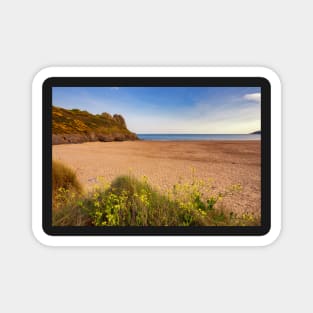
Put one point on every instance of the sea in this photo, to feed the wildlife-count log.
(186, 137)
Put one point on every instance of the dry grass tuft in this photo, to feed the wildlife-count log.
(64, 177)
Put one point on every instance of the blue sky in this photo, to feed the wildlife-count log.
(196, 110)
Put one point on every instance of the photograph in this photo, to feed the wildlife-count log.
(156, 156)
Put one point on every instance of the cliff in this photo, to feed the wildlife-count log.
(76, 126)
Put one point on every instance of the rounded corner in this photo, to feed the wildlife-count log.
(271, 236)
(41, 236)
(42, 76)
(270, 75)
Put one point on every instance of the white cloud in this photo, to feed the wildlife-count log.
(115, 88)
(253, 97)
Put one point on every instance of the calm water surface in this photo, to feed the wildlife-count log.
(170, 137)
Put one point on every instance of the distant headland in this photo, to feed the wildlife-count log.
(76, 126)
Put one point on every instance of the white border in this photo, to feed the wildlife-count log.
(155, 240)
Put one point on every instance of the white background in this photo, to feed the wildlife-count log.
(36, 34)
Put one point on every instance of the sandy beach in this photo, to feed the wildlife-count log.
(166, 162)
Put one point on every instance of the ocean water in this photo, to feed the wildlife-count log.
(183, 137)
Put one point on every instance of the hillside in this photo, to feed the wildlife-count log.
(76, 126)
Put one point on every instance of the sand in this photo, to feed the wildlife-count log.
(166, 162)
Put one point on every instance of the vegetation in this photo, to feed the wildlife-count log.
(86, 126)
(64, 178)
(128, 201)
(76, 121)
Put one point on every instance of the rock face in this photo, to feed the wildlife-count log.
(75, 126)
(58, 139)
(120, 120)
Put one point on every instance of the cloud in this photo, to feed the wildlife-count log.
(253, 97)
(114, 88)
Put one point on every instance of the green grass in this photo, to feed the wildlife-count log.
(128, 201)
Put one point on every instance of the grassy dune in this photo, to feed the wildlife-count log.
(64, 177)
(128, 201)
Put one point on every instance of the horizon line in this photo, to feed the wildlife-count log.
(148, 133)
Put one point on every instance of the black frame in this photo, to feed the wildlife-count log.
(157, 82)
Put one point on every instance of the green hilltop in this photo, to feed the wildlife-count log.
(76, 126)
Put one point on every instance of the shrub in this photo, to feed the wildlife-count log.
(68, 209)
(66, 189)
(64, 181)
(128, 201)
(64, 177)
